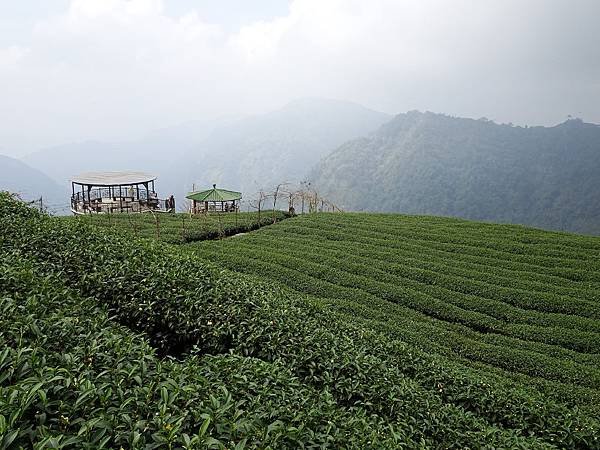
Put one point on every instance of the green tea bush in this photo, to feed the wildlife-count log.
(72, 378)
(186, 308)
(182, 228)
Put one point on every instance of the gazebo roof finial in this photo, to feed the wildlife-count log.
(214, 185)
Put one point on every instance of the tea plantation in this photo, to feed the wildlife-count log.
(182, 227)
(345, 331)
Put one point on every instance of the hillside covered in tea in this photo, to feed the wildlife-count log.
(321, 331)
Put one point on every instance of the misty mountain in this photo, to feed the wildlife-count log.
(425, 163)
(237, 153)
(17, 177)
(280, 146)
(155, 153)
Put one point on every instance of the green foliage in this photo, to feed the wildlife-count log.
(519, 306)
(70, 377)
(182, 228)
(257, 365)
(426, 163)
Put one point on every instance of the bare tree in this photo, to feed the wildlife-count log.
(313, 201)
(275, 195)
(258, 202)
(304, 189)
(292, 196)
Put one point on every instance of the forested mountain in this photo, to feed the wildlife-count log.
(279, 146)
(17, 177)
(425, 163)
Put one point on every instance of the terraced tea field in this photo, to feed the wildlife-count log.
(515, 302)
(344, 331)
(182, 227)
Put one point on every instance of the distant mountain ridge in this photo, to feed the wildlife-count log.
(246, 153)
(415, 163)
(261, 151)
(154, 153)
(426, 163)
(18, 178)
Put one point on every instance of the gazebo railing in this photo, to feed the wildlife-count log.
(214, 207)
(111, 200)
(114, 193)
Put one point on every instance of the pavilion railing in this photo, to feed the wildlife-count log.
(107, 200)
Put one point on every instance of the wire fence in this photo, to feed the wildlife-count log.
(263, 206)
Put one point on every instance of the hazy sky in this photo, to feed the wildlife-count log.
(112, 69)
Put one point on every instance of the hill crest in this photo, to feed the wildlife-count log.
(427, 163)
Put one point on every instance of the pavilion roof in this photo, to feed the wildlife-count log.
(214, 195)
(113, 178)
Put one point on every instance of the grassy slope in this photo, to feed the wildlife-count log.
(516, 302)
(339, 372)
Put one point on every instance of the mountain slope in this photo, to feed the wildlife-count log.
(425, 163)
(154, 153)
(239, 153)
(280, 146)
(29, 183)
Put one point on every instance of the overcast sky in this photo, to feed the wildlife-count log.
(113, 69)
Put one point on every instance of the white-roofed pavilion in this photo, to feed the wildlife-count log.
(110, 192)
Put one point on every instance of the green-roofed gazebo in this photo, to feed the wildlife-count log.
(215, 200)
